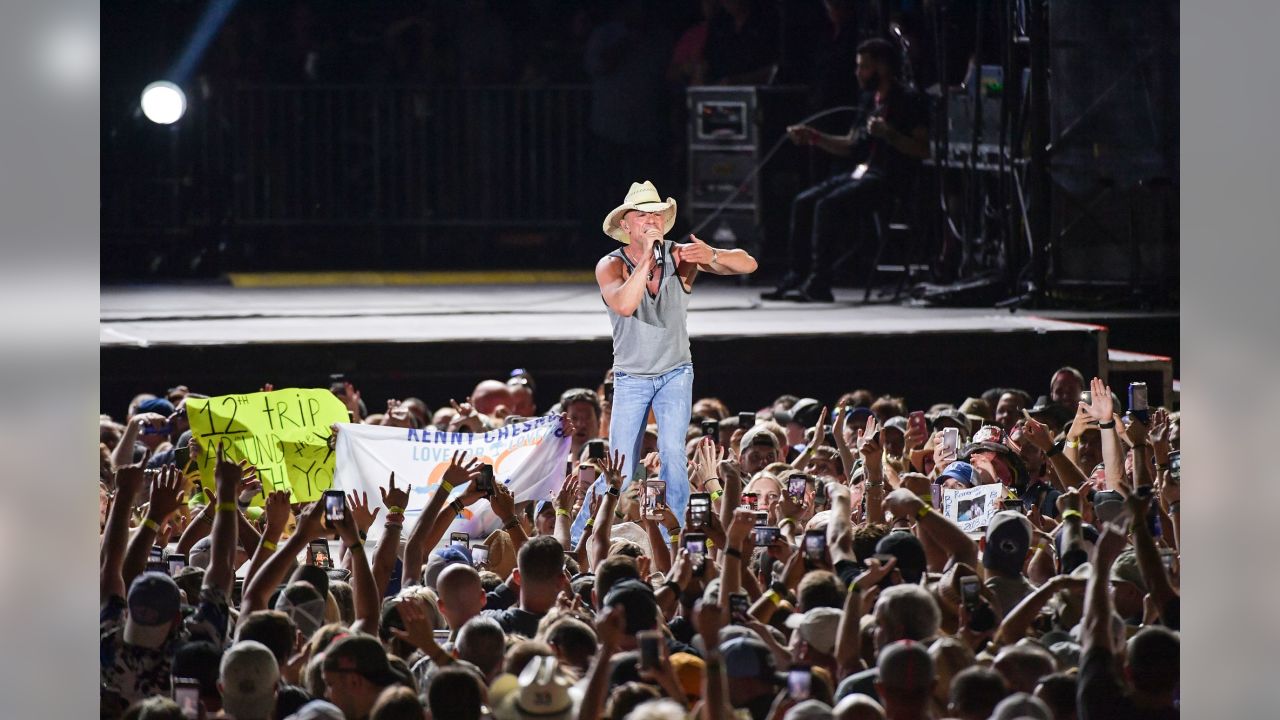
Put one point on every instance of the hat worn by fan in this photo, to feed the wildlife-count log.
(643, 197)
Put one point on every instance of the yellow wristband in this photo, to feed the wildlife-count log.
(226, 507)
(268, 545)
(1068, 514)
(924, 510)
(773, 597)
(393, 510)
(784, 522)
(716, 495)
(1073, 444)
(561, 512)
(151, 524)
(447, 487)
(590, 521)
(710, 544)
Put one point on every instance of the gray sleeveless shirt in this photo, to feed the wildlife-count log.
(655, 339)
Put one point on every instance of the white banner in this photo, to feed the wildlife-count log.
(529, 458)
(972, 508)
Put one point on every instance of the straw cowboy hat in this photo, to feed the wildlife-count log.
(645, 198)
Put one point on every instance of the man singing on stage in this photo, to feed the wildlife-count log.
(646, 286)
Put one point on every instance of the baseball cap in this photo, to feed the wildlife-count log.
(1008, 539)
(153, 606)
(906, 665)
(689, 670)
(857, 415)
(908, 550)
(747, 657)
(953, 418)
(960, 470)
(249, 675)
(159, 406)
(303, 604)
(976, 406)
(443, 558)
(198, 555)
(897, 422)
(760, 435)
(361, 654)
(805, 412)
(637, 600)
(1126, 569)
(818, 627)
(1107, 506)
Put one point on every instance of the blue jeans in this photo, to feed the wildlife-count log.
(671, 397)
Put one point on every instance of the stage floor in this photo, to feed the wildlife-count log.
(219, 315)
(436, 342)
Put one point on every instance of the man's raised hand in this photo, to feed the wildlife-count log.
(1100, 407)
(396, 499)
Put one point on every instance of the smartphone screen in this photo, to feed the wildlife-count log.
(484, 483)
(762, 518)
(650, 658)
(950, 442)
(795, 486)
(186, 693)
(335, 506)
(318, 554)
(176, 561)
(595, 450)
(1175, 465)
(586, 477)
(751, 501)
(767, 535)
(739, 604)
(746, 420)
(699, 511)
(696, 545)
(799, 680)
(815, 545)
(711, 429)
(479, 555)
(655, 499)
(460, 538)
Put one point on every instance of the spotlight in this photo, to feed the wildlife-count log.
(163, 102)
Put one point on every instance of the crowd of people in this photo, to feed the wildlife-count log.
(819, 580)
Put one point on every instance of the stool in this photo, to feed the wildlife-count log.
(894, 227)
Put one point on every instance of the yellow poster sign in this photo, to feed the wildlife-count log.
(283, 433)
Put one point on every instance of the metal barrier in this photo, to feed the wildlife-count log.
(397, 156)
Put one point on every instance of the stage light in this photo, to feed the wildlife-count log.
(163, 102)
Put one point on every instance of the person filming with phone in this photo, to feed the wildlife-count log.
(646, 285)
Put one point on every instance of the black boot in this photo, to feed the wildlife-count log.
(789, 282)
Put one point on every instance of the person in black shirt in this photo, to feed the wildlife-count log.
(888, 147)
(540, 573)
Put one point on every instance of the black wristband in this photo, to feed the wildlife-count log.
(1055, 449)
(614, 491)
(733, 552)
(1107, 425)
(778, 587)
(674, 586)
(514, 521)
